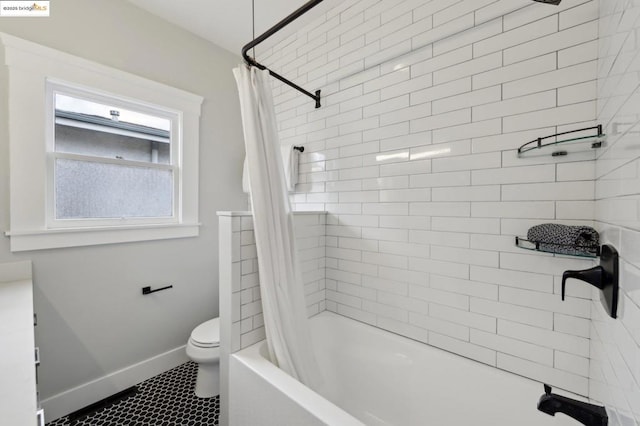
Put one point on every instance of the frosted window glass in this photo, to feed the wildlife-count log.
(85, 189)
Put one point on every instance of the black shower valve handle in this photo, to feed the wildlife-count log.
(593, 276)
(605, 276)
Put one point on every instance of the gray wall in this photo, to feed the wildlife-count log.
(92, 318)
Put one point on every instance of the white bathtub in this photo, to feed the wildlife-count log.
(373, 377)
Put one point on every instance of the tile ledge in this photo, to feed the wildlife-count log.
(248, 213)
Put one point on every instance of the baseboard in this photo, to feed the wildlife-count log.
(88, 393)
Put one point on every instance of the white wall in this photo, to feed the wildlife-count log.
(615, 344)
(93, 320)
(413, 154)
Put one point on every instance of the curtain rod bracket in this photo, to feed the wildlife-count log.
(271, 31)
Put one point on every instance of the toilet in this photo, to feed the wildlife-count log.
(204, 349)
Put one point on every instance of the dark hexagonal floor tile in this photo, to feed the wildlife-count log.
(166, 399)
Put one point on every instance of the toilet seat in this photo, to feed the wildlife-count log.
(207, 334)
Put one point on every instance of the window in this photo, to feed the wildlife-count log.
(111, 161)
(96, 155)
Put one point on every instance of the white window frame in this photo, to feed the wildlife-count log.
(33, 73)
(55, 87)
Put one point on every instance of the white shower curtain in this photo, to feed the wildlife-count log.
(281, 287)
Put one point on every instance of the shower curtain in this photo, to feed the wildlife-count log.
(281, 287)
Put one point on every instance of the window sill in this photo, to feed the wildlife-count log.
(77, 237)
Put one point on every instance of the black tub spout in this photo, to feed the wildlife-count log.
(585, 413)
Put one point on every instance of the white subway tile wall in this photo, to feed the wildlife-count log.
(413, 156)
(246, 303)
(615, 344)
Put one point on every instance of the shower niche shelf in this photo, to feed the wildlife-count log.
(561, 249)
(563, 143)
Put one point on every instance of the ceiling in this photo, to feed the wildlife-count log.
(226, 23)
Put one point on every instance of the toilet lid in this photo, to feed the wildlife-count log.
(207, 334)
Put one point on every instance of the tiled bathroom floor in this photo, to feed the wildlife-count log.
(166, 399)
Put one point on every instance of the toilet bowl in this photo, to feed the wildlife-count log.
(204, 349)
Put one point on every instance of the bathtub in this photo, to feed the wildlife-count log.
(373, 377)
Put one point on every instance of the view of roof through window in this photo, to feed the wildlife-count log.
(83, 106)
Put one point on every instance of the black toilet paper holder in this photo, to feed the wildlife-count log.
(604, 276)
(147, 290)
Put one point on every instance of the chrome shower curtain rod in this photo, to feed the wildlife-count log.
(271, 31)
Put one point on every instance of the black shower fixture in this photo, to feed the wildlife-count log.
(554, 2)
(271, 31)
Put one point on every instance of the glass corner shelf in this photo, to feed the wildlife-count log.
(561, 249)
(563, 147)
